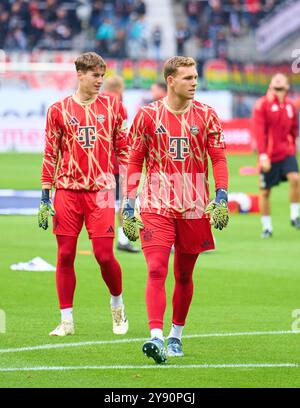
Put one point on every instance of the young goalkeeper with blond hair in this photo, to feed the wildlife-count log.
(174, 136)
(83, 132)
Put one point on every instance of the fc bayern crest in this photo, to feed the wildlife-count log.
(194, 130)
(100, 118)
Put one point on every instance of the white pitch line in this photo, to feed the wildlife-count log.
(63, 345)
(149, 367)
(101, 342)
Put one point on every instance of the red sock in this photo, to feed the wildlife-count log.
(157, 259)
(65, 274)
(109, 266)
(183, 290)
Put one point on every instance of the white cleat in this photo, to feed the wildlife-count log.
(120, 322)
(65, 328)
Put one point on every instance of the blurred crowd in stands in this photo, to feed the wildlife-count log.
(117, 28)
(108, 26)
(211, 23)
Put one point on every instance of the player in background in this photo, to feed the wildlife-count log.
(158, 90)
(174, 136)
(276, 130)
(82, 131)
(114, 86)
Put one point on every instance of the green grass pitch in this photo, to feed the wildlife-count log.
(247, 286)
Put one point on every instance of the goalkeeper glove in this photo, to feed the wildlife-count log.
(131, 223)
(218, 209)
(46, 208)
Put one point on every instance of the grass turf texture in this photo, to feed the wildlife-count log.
(246, 285)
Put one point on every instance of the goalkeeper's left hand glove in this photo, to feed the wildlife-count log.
(46, 209)
(218, 209)
(131, 223)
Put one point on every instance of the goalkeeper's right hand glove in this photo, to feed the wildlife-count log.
(46, 208)
(218, 209)
(131, 224)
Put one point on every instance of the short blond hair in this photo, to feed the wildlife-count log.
(280, 74)
(113, 83)
(173, 63)
(88, 61)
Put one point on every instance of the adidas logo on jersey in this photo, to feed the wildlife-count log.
(110, 229)
(161, 129)
(73, 121)
(205, 244)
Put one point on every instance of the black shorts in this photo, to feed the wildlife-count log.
(119, 194)
(278, 172)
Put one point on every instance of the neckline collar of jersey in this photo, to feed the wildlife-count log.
(179, 112)
(77, 100)
(274, 98)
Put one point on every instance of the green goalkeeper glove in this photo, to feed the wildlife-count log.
(46, 208)
(218, 210)
(131, 222)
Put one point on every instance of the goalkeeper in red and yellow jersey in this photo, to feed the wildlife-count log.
(174, 136)
(83, 132)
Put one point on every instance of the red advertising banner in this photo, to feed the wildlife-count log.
(238, 136)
